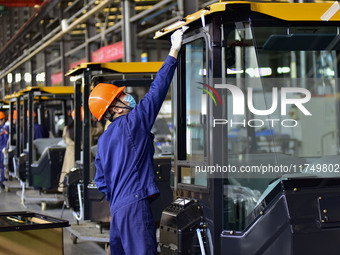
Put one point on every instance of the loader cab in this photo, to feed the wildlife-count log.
(257, 119)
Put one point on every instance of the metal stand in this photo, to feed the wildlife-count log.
(37, 196)
(13, 184)
(89, 231)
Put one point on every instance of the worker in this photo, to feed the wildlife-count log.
(40, 130)
(14, 117)
(124, 160)
(4, 131)
(68, 136)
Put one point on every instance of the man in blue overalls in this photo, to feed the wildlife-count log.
(4, 130)
(124, 160)
(39, 129)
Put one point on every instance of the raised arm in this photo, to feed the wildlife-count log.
(148, 108)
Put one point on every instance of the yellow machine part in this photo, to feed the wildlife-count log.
(118, 67)
(284, 11)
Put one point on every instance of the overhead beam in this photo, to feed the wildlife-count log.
(33, 21)
(72, 26)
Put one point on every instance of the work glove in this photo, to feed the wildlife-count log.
(176, 39)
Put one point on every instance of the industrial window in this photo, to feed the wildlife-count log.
(195, 128)
(279, 133)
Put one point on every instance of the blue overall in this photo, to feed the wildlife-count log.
(124, 164)
(40, 131)
(3, 144)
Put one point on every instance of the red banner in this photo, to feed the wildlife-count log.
(57, 78)
(109, 53)
(105, 54)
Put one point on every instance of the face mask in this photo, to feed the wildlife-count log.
(129, 99)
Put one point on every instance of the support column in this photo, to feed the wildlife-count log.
(7, 87)
(47, 69)
(127, 31)
(33, 66)
(190, 6)
(16, 84)
(180, 8)
(65, 46)
(90, 32)
(22, 77)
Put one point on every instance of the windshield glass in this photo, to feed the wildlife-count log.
(280, 89)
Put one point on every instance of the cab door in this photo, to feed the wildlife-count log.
(195, 139)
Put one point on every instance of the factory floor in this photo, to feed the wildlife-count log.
(10, 202)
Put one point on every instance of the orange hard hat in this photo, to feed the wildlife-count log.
(14, 115)
(73, 113)
(101, 97)
(28, 114)
(2, 115)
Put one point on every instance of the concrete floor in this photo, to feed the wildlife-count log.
(10, 202)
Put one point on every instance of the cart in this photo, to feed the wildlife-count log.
(31, 233)
(91, 231)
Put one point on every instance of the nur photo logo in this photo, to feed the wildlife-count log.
(282, 98)
(210, 94)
